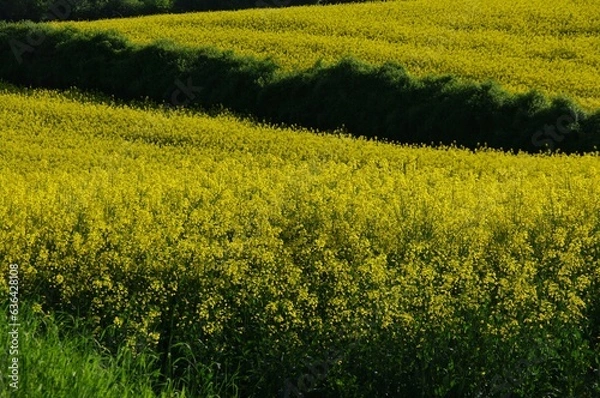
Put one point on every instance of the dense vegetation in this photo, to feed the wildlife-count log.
(302, 262)
(383, 102)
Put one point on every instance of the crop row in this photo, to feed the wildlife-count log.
(373, 101)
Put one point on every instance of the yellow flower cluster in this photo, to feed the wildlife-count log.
(216, 227)
(549, 45)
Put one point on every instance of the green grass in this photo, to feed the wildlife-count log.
(57, 359)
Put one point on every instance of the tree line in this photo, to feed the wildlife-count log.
(45, 10)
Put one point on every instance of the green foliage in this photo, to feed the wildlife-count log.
(15, 10)
(42, 10)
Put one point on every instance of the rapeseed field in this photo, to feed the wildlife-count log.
(398, 270)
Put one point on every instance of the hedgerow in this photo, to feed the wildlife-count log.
(44, 10)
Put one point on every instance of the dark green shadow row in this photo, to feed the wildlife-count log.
(372, 101)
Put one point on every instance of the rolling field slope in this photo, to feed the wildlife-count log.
(549, 45)
(262, 248)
